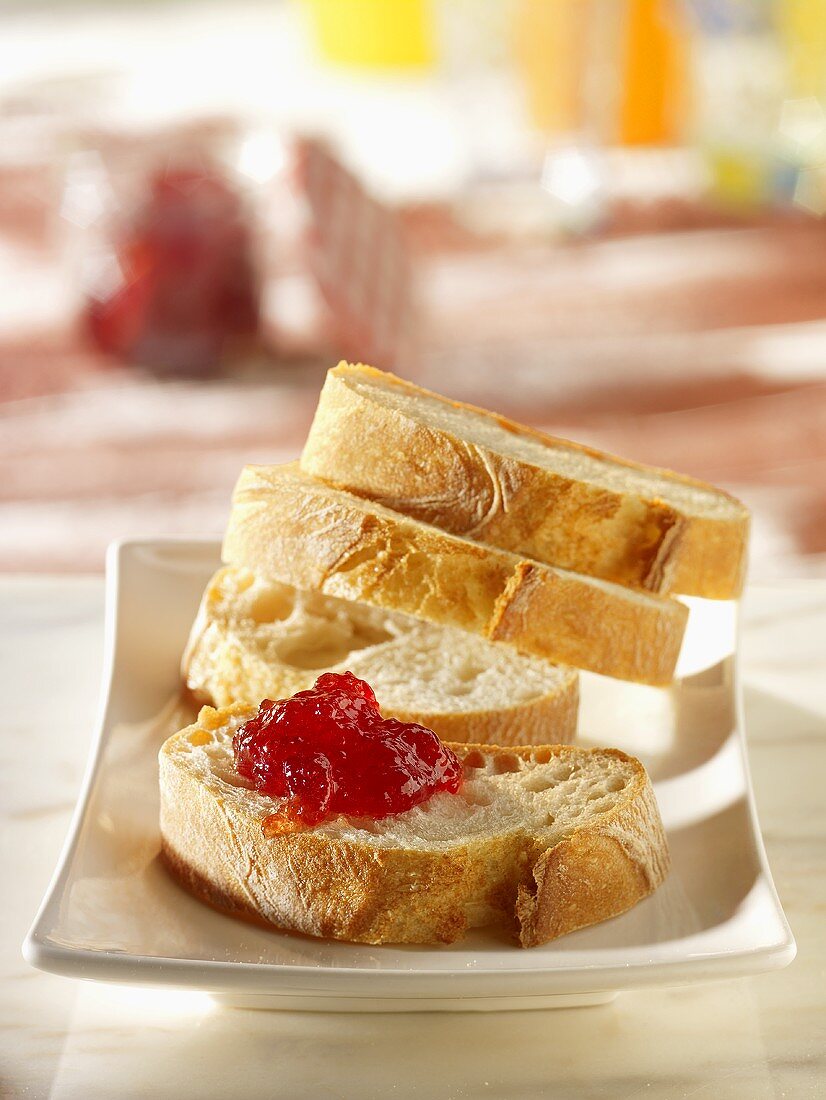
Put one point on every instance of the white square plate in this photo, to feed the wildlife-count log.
(111, 913)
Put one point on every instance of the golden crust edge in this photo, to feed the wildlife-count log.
(677, 566)
(653, 663)
(507, 579)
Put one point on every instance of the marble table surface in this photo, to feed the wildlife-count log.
(761, 1037)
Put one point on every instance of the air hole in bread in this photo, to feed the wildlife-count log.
(467, 673)
(364, 555)
(310, 656)
(461, 689)
(615, 783)
(272, 605)
(320, 652)
(506, 762)
(475, 759)
(538, 783)
(562, 772)
(541, 756)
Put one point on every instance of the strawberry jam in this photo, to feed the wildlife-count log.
(328, 751)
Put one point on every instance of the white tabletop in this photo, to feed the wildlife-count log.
(751, 1038)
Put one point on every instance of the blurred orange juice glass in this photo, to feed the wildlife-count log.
(613, 70)
(654, 84)
(374, 34)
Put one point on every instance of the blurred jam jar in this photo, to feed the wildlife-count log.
(187, 285)
(162, 241)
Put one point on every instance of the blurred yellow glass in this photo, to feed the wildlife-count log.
(802, 26)
(374, 34)
(740, 178)
(549, 46)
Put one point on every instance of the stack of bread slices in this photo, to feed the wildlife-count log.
(465, 566)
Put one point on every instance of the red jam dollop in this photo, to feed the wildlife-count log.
(329, 751)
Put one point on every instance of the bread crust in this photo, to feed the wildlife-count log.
(467, 489)
(595, 873)
(315, 884)
(290, 527)
(531, 723)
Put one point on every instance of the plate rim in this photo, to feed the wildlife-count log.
(341, 981)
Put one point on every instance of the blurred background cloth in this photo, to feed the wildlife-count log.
(603, 217)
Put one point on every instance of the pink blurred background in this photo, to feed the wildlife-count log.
(602, 218)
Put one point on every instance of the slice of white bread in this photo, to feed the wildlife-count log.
(543, 840)
(255, 639)
(298, 530)
(479, 475)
